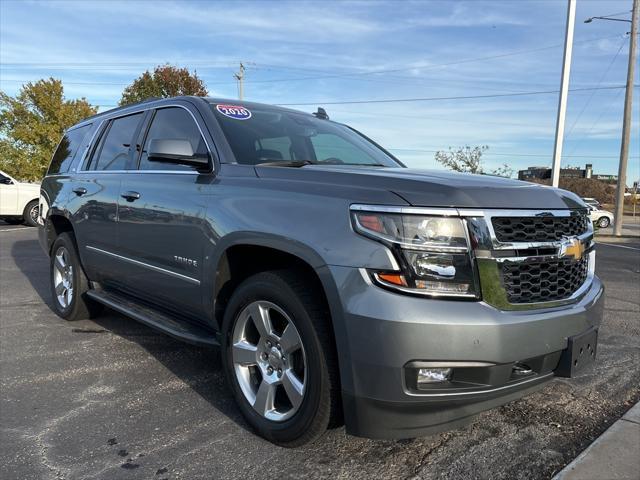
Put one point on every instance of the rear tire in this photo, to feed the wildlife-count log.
(603, 222)
(30, 214)
(69, 284)
(266, 359)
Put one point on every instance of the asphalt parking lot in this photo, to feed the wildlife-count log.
(110, 398)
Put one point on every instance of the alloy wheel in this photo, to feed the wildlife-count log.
(33, 213)
(63, 277)
(269, 360)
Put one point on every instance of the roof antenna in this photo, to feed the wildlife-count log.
(321, 113)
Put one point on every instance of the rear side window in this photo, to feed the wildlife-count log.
(67, 149)
(172, 123)
(113, 151)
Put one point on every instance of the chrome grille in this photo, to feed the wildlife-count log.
(539, 228)
(534, 282)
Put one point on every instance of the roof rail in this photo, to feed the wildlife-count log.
(122, 107)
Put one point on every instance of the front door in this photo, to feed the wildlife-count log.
(162, 225)
(8, 196)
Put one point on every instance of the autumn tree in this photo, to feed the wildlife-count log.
(32, 123)
(469, 160)
(165, 81)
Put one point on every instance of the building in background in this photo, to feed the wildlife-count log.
(544, 173)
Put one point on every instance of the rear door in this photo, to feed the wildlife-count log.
(94, 197)
(161, 212)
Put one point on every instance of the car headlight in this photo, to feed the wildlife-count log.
(434, 252)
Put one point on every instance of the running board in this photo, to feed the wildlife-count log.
(184, 331)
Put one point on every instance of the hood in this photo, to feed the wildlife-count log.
(433, 188)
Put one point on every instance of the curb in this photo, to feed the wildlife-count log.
(613, 455)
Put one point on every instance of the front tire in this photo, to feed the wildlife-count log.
(603, 222)
(30, 214)
(279, 358)
(68, 282)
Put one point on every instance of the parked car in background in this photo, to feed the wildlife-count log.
(18, 201)
(600, 218)
(592, 202)
(339, 284)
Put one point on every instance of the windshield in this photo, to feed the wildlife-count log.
(262, 135)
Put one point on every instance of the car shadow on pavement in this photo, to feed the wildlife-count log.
(199, 368)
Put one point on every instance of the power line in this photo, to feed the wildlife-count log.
(626, 12)
(461, 97)
(596, 121)
(417, 67)
(586, 104)
(404, 100)
(331, 74)
(506, 154)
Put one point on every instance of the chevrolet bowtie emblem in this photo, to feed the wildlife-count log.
(571, 247)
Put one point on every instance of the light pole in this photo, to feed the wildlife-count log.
(626, 120)
(564, 92)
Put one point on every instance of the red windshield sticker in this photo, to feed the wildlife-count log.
(236, 112)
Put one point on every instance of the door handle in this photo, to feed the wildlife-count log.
(79, 191)
(130, 196)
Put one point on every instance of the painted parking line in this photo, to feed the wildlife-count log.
(619, 246)
(13, 229)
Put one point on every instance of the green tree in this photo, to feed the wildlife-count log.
(469, 160)
(32, 123)
(165, 81)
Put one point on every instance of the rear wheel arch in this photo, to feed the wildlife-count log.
(56, 225)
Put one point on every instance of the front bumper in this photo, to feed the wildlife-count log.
(385, 331)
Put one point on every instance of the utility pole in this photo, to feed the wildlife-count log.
(626, 119)
(564, 91)
(240, 78)
(626, 125)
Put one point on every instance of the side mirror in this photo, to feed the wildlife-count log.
(175, 150)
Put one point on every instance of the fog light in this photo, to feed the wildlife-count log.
(433, 375)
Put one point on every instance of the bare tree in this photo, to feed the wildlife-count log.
(469, 160)
(464, 159)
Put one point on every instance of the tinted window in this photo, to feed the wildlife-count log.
(172, 123)
(67, 149)
(113, 152)
(329, 146)
(273, 149)
(260, 135)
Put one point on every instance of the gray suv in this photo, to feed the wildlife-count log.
(340, 286)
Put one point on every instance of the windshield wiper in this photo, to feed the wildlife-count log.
(302, 163)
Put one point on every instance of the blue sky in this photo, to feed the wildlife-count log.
(320, 52)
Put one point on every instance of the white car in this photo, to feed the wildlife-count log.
(600, 218)
(18, 201)
(592, 202)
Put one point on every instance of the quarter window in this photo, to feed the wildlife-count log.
(67, 149)
(113, 152)
(172, 123)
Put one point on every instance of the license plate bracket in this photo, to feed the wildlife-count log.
(579, 354)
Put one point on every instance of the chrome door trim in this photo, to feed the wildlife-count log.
(195, 281)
